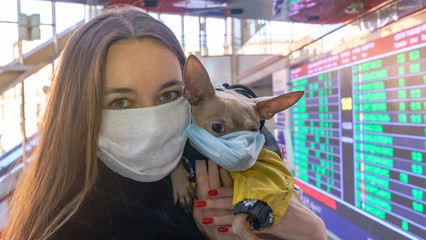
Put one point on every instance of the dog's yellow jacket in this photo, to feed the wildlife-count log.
(268, 180)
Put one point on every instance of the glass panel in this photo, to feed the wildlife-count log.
(192, 32)
(44, 8)
(215, 29)
(280, 38)
(8, 11)
(10, 119)
(45, 35)
(153, 14)
(67, 15)
(35, 98)
(9, 33)
(174, 23)
(10, 109)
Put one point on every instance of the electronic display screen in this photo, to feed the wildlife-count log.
(359, 136)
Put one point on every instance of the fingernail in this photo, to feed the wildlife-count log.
(223, 229)
(207, 220)
(212, 193)
(200, 204)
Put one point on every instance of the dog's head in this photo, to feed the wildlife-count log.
(222, 112)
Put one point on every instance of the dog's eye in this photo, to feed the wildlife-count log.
(218, 128)
(254, 130)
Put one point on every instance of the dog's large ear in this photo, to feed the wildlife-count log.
(269, 107)
(197, 81)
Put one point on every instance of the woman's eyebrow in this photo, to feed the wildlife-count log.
(119, 90)
(171, 83)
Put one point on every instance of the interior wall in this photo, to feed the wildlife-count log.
(219, 69)
(247, 62)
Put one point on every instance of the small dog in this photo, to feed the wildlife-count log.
(223, 112)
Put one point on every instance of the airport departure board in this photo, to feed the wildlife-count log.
(359, 133)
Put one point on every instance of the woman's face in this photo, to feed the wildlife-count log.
(141, 73)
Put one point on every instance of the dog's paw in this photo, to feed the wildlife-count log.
(183, 192)
(242, 228)
(184, 195)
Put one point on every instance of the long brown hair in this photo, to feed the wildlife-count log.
(65, 164)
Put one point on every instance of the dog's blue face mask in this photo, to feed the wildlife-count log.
(236, 151)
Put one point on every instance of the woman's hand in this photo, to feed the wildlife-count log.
(298, 222)
(213, 210)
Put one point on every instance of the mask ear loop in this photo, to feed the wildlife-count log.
(191, 119)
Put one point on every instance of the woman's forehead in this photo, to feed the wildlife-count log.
(139, 60)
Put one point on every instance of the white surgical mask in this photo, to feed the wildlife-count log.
(236, 151)
(144, 144)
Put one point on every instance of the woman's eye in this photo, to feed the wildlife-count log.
(120, 103)
(169, 96)
(254, 130)
(218, 128)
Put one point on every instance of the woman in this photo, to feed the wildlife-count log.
(116, 96)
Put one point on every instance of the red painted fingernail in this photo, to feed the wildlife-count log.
(212, 193)
(207, 220)
(223, 229)
(200, 204)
